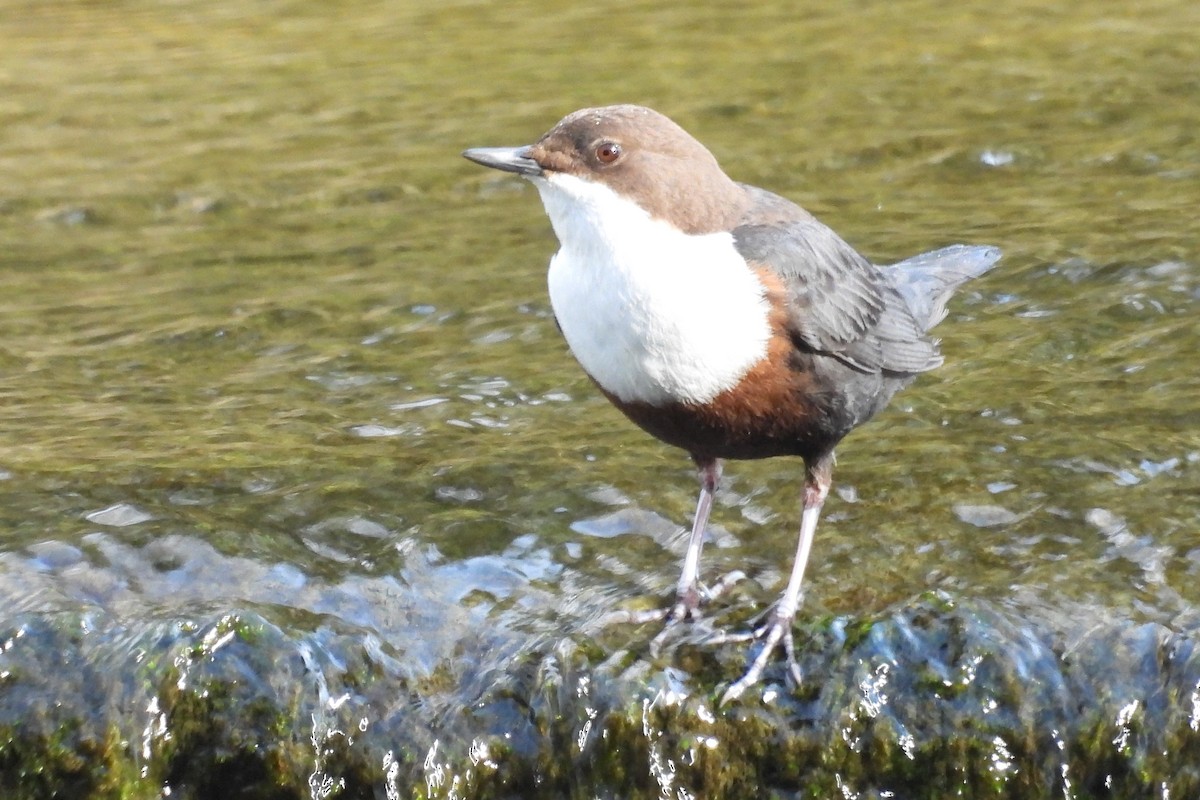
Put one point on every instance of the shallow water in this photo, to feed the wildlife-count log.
(272, 351)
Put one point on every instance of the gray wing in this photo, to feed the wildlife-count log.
(838, 303)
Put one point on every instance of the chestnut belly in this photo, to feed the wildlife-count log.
(803, 408)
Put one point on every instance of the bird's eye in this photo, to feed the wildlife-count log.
(608, 152)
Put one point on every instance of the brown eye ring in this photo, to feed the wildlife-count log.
(608, 152)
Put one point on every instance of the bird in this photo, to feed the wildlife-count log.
(724, 319)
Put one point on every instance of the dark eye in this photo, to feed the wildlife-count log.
(608, 152)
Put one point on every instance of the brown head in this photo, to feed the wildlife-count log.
(639, 154)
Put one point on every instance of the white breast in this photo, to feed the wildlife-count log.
(653, 314)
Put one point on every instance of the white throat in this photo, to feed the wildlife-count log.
(653, 314)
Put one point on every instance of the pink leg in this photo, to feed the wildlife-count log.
(687, 591)
(817, 480)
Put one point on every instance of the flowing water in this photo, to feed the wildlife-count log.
(300, 490)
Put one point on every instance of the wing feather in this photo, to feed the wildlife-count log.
(838, 303)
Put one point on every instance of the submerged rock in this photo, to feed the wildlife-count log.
(932, 699)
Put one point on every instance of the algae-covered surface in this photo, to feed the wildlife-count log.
(302, 496)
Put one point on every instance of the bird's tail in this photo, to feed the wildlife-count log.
(927, 281)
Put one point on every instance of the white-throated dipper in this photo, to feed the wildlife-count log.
(722, 318)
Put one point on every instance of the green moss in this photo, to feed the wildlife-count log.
(67, 762)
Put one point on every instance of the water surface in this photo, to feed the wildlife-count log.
(277, 363)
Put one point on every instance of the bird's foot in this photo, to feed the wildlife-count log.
(778, 629)
(685, 608)
(687, 603)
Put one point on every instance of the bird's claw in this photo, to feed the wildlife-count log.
(724, 584)
(625, 617)
(688, 602)
(685, 608)
(778, 629)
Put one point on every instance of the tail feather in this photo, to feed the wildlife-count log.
(926, 282)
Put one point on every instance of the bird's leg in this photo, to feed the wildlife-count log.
(818, 478)
(687, 591)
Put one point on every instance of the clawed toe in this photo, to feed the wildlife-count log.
(687, 604)
(625, 617)
(726, 582)
(777, 630)
(686, 608)
(774, 632)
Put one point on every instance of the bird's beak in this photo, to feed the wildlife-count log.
(508, 159)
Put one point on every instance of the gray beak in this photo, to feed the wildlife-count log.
(508, 159)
